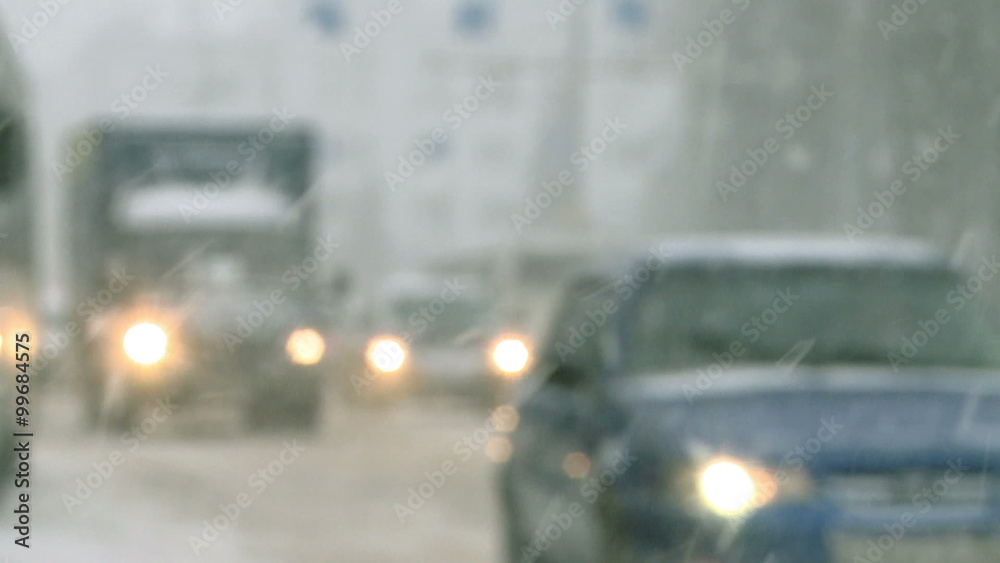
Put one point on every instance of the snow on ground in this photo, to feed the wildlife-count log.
(333, 502)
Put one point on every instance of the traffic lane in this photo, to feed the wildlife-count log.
(335, 495)
(376, 459)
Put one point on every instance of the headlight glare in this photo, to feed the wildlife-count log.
(726, 487)
(510, 356)
(145, 343)
(305, 347)
(386, 354)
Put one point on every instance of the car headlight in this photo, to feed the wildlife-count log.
(14, 321)
(305, 347)
(145, 343)
(731, 488)
(510, 356)
(386, 354)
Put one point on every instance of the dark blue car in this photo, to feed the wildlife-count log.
(763, 401)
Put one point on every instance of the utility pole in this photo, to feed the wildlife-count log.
(568, 76)
(568, 214)
(568, 105)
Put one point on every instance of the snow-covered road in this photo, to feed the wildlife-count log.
(198, 488)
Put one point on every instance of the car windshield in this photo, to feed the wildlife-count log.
(431, 321)
(211, 259)
(693, 317)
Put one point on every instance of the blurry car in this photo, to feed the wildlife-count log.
(434, 335)
(522, 281)
(805, 400)
(193, 256)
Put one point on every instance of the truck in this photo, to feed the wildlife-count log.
(192, 249)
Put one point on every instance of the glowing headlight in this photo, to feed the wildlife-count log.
(386, 354)
(145, 343)
(305, 347)
(727, 487)
(732, 488)
(510, 356)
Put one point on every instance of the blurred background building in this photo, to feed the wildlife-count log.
(563, 69)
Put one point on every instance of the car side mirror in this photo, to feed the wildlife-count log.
(13, 154)
(568, 375)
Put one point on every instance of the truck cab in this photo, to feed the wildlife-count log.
(194, 245)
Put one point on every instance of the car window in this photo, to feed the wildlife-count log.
(582, 332)
(889, 317)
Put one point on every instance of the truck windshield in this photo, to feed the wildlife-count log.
(201, 259)
(148, 161)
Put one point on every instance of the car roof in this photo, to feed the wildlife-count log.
(746, 381)
(752, 249)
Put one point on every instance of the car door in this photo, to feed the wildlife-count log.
(559, 431)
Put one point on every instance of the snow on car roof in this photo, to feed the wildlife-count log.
(742, 380)
(802, 248)
(174, 205)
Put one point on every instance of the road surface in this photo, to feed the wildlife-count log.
(193, 486)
